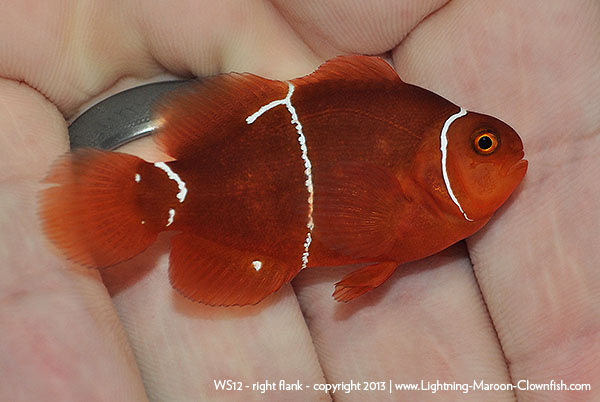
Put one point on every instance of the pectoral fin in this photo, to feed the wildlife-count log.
(356, 210)
(363, 280)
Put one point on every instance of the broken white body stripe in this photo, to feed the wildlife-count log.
(174, 176)
(171, 216)
(444, 149)
(180, 184)
(287, 101)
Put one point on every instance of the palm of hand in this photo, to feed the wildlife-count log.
(526, 309)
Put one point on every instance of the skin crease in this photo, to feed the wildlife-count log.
(526, 309)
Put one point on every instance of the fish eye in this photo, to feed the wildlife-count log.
(485, 143)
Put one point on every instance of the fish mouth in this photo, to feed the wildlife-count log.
(518, 165)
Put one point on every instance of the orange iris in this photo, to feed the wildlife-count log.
(485, 143)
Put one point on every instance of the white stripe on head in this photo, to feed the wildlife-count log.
(444, 149)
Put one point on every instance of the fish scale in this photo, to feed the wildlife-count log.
(346, 165)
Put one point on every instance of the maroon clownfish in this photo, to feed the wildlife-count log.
(346, 165)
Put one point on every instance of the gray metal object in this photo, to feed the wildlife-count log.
(121, 118)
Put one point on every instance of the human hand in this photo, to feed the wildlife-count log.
(533, 281)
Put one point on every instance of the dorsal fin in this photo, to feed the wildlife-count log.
(352, 68)
(206, 111)
(210, 109)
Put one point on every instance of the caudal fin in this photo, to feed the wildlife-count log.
(98, 214)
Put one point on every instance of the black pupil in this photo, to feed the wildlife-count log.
(485, 143)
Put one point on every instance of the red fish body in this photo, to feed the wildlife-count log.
(348, 164)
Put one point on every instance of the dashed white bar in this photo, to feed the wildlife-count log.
(174, 176)
(444, 149)
(257, 265)
(171, 217)
(287, 101)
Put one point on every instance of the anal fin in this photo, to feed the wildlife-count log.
(363, 280)
(219, 275)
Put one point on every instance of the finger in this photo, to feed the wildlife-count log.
(272, 342)
(535, 66)
(183, 348)
(72, 53)
(425, 325)
(61, 338)
(341, 26)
